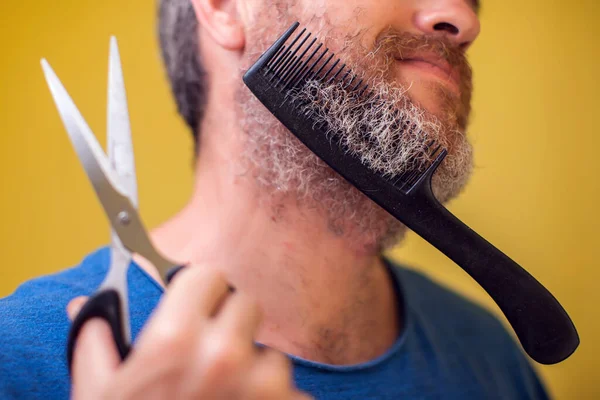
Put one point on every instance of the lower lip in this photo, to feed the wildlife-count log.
(433, 70)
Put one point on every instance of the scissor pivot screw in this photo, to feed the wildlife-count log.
(124, 218)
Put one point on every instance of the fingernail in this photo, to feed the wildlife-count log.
(74, 306)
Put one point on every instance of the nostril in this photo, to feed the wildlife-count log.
(444, 26)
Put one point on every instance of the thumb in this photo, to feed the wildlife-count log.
(95, 356)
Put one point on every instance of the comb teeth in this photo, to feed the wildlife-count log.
(292, 65)
(409, 178)
(283, 71)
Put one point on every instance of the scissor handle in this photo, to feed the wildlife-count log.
(105, 304)
(174, 271)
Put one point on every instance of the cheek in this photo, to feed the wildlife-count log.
(329, 12)
(375, 15)
(334, 21)
(348, 16)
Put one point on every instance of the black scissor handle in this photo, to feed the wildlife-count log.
(105, 304)
(174, 271)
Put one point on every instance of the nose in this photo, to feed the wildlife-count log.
(455, 19)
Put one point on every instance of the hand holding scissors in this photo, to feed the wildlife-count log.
(114, 181)
(198, 344)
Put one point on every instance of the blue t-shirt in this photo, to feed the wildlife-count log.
(449, 348)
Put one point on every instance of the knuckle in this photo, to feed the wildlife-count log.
(271, 389)
(280, 362)
(273, 379)
(225, 356)
(280, 379)
(196, 276)
(203, 274)
(244, 308)
(170, 339)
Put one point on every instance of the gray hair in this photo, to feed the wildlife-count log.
(178, 35)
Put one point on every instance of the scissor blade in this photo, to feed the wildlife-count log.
(118, 208)
(120, 147)
(120, 157)
(88, 149)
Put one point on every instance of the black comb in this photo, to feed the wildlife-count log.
(543, 327)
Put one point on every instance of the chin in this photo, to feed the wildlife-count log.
(432, 96)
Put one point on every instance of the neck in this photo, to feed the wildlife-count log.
(321, 298)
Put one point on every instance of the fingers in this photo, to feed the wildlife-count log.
(95, 356)
(198, 343)
(95, 353)
(203, 287)
(271, 378)
(192, 298)
(240, 316)
(226, 349)
(301, 396)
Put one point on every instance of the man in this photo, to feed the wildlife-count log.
(289, 234)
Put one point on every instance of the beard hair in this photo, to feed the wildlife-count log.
(284, 168)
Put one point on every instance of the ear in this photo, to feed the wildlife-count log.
(220, 19)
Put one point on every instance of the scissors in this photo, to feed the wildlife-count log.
(114, 182)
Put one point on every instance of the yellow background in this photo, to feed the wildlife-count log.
(534, 130)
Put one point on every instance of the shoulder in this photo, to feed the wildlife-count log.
(39, 297)
(466, 336)
(34, 327)
(430, 300)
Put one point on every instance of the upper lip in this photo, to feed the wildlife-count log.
(436, 61)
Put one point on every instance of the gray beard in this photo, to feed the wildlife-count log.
(284, 168)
